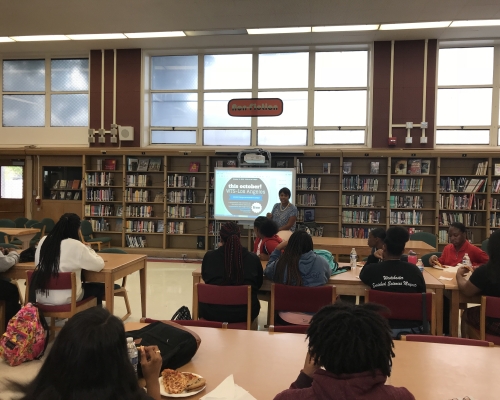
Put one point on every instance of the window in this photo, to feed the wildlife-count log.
(11, 179)
(26, 94)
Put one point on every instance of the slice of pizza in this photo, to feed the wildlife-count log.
(174, 382)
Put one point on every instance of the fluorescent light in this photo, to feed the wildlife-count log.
(4, 39)
(97, 36)
(38, 38)
(140, 35)
(263, 31)
(478, 22)
(345, 28)
(415, 25)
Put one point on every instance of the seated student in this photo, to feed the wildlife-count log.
(454, 252)
(231, 264)
(349, 357)
(376, 242)
(269, 239)
(257, 223)
(8, 291)
(485, 280)
(89, 360)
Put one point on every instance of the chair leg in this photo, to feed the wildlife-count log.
(127, 306)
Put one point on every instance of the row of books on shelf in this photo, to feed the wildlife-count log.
(406, 217)
(181, 181)
(347, 167)
(494, 220)
(62, 195)
(356, 233)
(100, 179)
(308, 183)
(461, 202)
(482, 168)
(98, 210)
(494, 204)
(179, 211)
(356, 182)
(99, 225)
(306, 199)
(462, 184)
(468, 219)
(396, 201)
(141, 226)
(135, 241)
(495, 185)
(305, 215)
(144, 164)
(138, 212)
(443, 236)
(137, 195)
(361, 217)
(138, 180)
(181, 196)
(407, 184)
(100, 195)
(74, 184)
(109, 164)
(414, 166)
(358, 200)
(176, 227)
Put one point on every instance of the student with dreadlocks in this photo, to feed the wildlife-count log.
(349, 356)
(62, 251)
(231, 264)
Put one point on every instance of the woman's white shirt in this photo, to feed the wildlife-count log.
(74, 257)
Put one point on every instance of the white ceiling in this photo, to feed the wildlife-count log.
(28, 17)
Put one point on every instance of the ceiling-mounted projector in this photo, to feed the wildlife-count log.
(254, 158)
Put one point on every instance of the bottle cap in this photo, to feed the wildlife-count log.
(130, 340)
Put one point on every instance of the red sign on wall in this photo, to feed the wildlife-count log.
(255, 107)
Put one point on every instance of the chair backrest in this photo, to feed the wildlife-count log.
(86, 229)
(20, 222)
(49, 224)
(190, 322)
(301, 298)
(484, 245)
(112, 250)
(425, 258)
(29, 223)
(4, 237)
(7, 245)
(490, 307)
(40, 234)
(446, 340)
(405, 306)
(7, 223)
(63, 280)
(426, 237)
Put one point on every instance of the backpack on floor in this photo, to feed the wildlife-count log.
(26, 336)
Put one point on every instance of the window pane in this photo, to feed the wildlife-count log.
(340, 108)
(12, 182)
(222, 137)
(294, 109)
(463, 107)
(174, 73)
(339, 137)
(280, 137)
(462, 136)
(24, 76)
(69, 75)
(466, 66)
(24, 110)
(283, 70)
(174, 109)
(69, 110)
(173, 137)
(342, 69)
(215, 110)
(229, 71)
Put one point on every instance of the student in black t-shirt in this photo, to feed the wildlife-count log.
(484, 280)
(376, 242)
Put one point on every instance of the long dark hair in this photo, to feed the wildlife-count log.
(233, 254)
(493, 264)
(288, 264)
(88, 360)
(48, 265)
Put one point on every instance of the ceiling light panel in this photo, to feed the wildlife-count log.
(264, 31)
(38, 38)
(4, 39)
(482, 22)
(140, 35)
(415, 25)
(99, 36)
(345, 28)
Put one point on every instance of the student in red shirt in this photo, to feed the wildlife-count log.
(454, 252)
(269, 239)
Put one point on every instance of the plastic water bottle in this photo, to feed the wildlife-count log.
(133, 354)
(466, 261)
(354, 256)
(420, 265)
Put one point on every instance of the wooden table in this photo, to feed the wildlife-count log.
(348, 283)
(116, 266)
(456, 298)
(344, 246)
(430, 371)
(23, 234)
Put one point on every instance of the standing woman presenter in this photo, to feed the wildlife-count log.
(284, 213)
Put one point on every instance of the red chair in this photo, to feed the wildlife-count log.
(490, 307)
(65, 280)
(298, 299)
(405, 306)
(201, 322)
(446, 340)
(224, 295)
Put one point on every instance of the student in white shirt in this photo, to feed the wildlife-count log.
(62, 251)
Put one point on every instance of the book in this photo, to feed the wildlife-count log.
(347, 167)
(154, 164)
(143, 164)
(425, 167)
(62, 184)
(132, 164)
(279, 164)
(400, 167)
(160, 226)
(309, 215)
(53, 195)
(76, 196)
(374, 167)
(497, 169)
(69, 195)
(231, 163)
(119, 211)
(194, 166)
(119, 225)
(109, 164)
(56, 185)
(327, 168)
(414, 167)
(99, 164)
(76, 184)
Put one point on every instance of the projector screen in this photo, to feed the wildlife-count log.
(242, 194)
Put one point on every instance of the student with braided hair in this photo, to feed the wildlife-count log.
(62, 251)
(349, 356)
(231, 264)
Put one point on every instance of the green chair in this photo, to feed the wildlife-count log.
(39, 235)
(87, 236)
(49, 225)
(8, 245)
(425, 258)
(20, 222)
(4, 238)
(7, 223)
(484, 245)
(120, 290)
(426, 237)
(29, 223)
